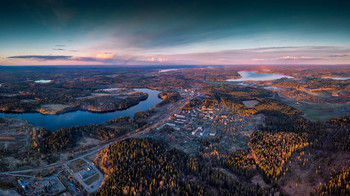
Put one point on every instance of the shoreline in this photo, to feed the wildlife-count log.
(75, 109)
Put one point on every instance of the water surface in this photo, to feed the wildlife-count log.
(273, 88)
(54, 122)
(337, 78)
(253, 76)
(167, 70)
(42, 81)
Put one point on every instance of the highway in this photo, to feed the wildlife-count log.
(102, 146)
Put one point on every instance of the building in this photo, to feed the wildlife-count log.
(179, 116)
(212, 133)
(198, 129)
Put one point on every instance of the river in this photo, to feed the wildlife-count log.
(70, 119)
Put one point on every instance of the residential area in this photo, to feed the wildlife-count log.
(199, 127)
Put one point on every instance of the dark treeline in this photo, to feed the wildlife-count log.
(145, 166)
(268, 153)
(192, 103)
(272, 150)
(241, 163)
(32, 99)
(341, 121)
(168, 97)
(339, 133)
(338, 184)
(67, 138)
(47, 143)
(110, 103)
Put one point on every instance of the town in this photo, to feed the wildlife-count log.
(196, 127)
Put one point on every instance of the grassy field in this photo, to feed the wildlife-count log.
(320, 111)
(77, 165)
(92, 179)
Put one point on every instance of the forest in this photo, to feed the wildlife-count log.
(146, 166)
(46, 144)
(168, 97)
(272, 150)
(338, 184)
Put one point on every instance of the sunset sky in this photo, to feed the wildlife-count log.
(166, 32)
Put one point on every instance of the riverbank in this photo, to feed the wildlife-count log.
(79, 117)
(95, 104)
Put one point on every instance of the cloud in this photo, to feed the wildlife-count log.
(106, 55)
(287, 58)
(104, 58)
(159, 60)
(41, 57)
(260, 59)
(112, 59)
(267, 55)
(339, 55)
(60, 45)
(298, 58)
(85, 59)
(58, 49)
(264, 49)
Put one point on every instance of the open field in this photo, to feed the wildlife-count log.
(53, 108)
(319, 111)
(77, 165)
(92, 179)
(250, 103)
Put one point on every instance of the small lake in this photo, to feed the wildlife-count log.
(167, 70)
(54, 122)
(337, 78)
(42, 81)
(253, 76)
(273, 88)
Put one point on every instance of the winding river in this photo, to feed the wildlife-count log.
(54, 122)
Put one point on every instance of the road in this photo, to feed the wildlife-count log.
(163, 120)
(102, 146)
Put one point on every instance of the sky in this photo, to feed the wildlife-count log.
(169, 32)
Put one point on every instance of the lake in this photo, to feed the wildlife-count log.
(337, 78)
(42, 81)
(253, 76)
(54, 122)
(167, 70)
(273, 88)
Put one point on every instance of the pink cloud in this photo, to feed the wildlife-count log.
(299, 58)
(272, 55)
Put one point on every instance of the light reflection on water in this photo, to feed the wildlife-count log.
(54, 122)
(253, 76)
